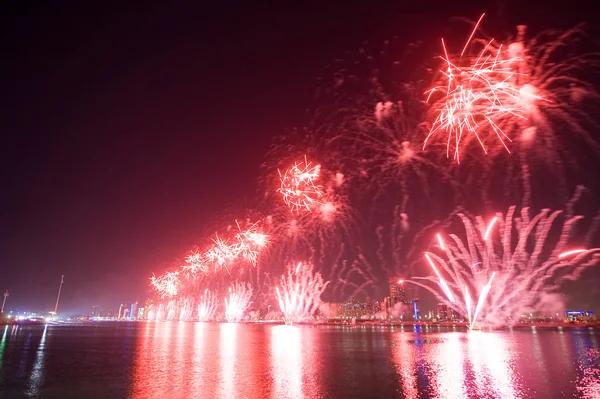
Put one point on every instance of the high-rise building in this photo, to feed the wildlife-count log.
(442, 312)
(133, 310)
(96, 311)
(397, 290)
(124, 311)
(415, 309)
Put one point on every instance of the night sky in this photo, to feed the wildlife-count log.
(125, 129)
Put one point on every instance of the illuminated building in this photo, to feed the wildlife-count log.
(397, 290)
(415, 309)
(442, 312)
(133, 310)
(141, 313)
(354, 309)
(124, 310)
(579, 315)
(384, 305)
(96, 311)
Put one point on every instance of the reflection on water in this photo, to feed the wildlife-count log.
(37, 374)
(228, 359)
(207, 360)
(493, 366)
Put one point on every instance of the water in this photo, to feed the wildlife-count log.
(198, 360)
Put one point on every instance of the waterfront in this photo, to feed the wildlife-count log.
(209, 360)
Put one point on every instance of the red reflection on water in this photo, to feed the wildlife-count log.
(227, 352)
(405, 358)
(286, 362)
(493, 366)
(448, 367)
(455, 365)
(161, 365)
(588, 383)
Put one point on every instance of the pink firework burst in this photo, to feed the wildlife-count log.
(299, 186)
(250, 242)
(166, 285)
(477, 93)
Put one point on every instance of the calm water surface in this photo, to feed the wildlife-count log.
(198, 360)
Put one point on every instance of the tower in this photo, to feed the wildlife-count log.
(4, 301)
(62, 280)
(397, 290)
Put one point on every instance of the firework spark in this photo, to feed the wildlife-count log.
(237, 302)
(300, 293)
(207, 306)
(478, 93)
(299, 186)
(186, 309)
(526, 265)
(505, 91)
(250, 243)
(166, 285)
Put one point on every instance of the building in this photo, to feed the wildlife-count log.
(397, 290)
(355, 309)
(397, 305)
(579, 315)
(133, 310)
(96, 311)
(443, 313)
(124, 311)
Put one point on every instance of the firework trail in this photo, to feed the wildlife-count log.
(373, 123)
(299, 293)
(171, 310)
(237, 302)
(186, 309)
(207, 306)
(507, 266)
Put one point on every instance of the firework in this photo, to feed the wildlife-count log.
(207, 306)
(171, 310)
(186, 309)
(166, 285)
(478, 93)
(299, 186)
(300, 294)
(499, 92)
(250, 243)
(194, 264)
(237, 302)
(510, 275)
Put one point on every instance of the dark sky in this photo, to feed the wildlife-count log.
(125, 128)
